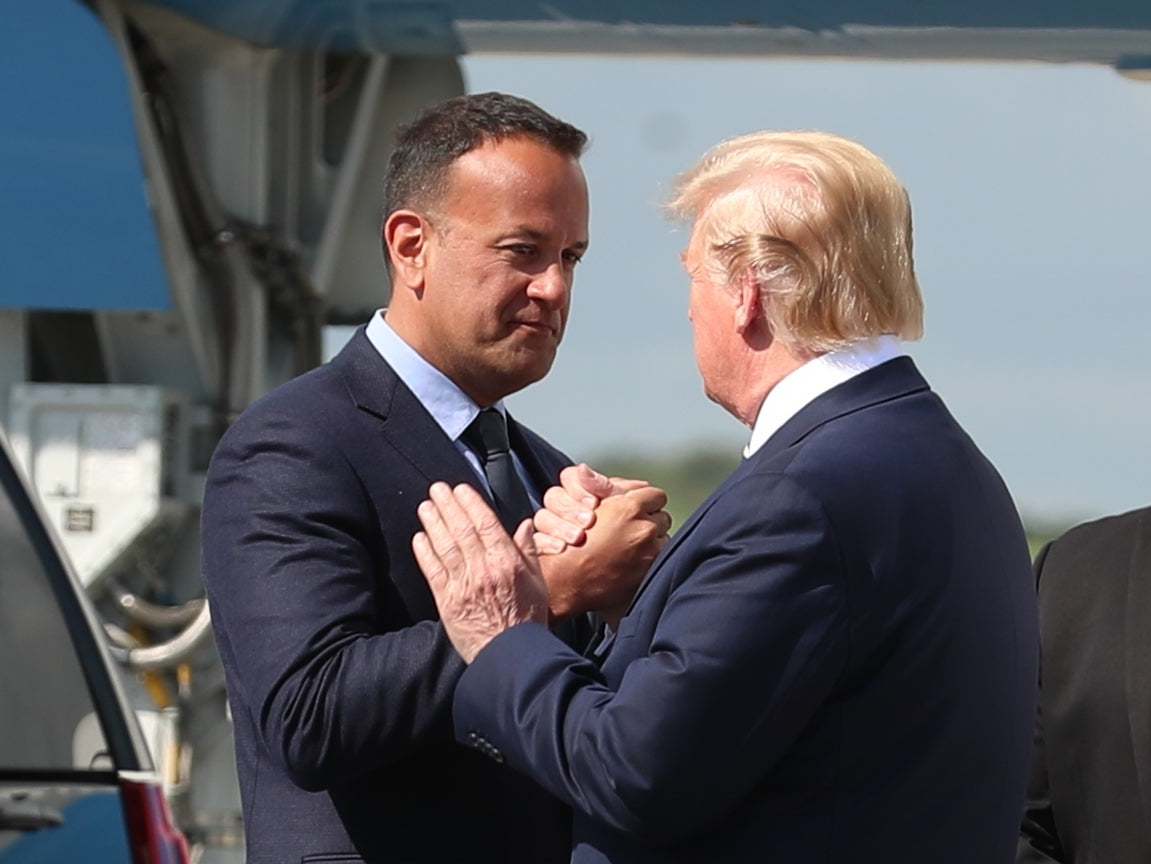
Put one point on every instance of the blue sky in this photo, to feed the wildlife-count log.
(1031, 186)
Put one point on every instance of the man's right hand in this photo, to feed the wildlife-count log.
(597, 567)
(569, 508)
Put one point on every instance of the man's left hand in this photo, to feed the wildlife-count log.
(484, 581)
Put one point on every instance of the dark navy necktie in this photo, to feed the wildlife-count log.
(487, 436)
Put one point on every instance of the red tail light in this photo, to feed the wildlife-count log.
(151, 834)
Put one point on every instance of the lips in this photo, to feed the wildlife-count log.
(537, 326)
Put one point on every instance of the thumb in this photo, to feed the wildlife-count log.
(525, 540)
(651, 498)
(620, 485)
(594, 482)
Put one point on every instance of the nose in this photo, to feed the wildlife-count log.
(551, 286)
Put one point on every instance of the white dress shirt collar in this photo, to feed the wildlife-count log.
(813, 379)
(449, 406)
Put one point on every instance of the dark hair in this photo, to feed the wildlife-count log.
(427, 147)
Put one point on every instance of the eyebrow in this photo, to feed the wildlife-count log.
(535, 234)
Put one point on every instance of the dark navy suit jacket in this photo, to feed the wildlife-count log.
(339, 675)
(833, 660)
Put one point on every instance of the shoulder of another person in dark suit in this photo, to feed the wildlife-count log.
(1097, 547)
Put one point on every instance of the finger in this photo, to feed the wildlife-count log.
(567, 507)
(584, 484)
(457, 523)
(663, 521)
(650, 498)
(485, 524)
(546, 544)
(429, 562)
(439, 536)
(525, 540)
(547, 522)
(620, 485)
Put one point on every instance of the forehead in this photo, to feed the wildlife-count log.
(518, 179)
(696, 250)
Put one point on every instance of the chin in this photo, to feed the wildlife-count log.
(719, 400)
(538, 372)
(516, 374)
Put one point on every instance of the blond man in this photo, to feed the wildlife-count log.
(834, 659)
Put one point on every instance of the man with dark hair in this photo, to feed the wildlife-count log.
(426, 148)
(340, 676)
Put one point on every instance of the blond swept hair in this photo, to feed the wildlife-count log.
(819, 224)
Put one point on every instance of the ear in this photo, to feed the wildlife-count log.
(748, 305)
(406, 237)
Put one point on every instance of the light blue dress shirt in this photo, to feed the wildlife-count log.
(451, 408)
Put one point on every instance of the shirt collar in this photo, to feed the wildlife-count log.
(451, 408)
(813, 379)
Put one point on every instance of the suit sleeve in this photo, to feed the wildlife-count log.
(747, 647)
(291, 576)
(1038, 836)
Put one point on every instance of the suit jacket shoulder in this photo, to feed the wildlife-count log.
(1094, 549)
(311, 401)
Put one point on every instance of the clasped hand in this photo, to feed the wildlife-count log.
(596, 538)
(587, 551)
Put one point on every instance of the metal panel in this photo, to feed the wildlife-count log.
(94, 455)
(1112, 32)
(74, 218)
(349, 268)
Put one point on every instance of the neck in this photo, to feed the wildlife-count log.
(768, 369)
(406, 326)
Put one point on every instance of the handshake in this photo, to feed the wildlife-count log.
(586, 551)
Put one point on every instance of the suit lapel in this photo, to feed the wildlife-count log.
(685, 531)
(409, 428)
(414, 434)
(885, 382)
(1137, 647)
(543, 470)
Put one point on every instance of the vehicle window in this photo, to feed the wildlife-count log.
(47, 718)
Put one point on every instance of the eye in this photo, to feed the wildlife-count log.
(520, 250)
(572, 258)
